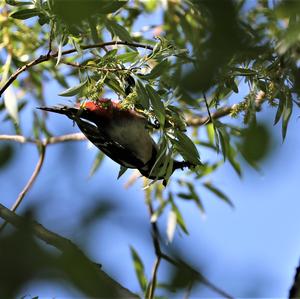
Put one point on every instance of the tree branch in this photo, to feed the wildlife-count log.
(51, 140)
(67, 247)
(196, 121)
(49, 56)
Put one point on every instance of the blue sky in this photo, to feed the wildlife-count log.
(251, 250)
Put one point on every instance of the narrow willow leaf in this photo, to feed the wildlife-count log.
(111, 53)
(218, 193)
(279, 111)
(11, 104)
(160, 158)
(231, 155)
(159, 69)
(60, 45)
(159, 211)
(115, 85)
(18, 3)
(72, 91)
(96, 164)
(187, 148)
(243, 72)
(224, 141)
(110, 6)
(139, 269)
(171, 225)
(287, 111)
(210, 133)
(195, 197)
(157, 104)
(128, 57)
(143, 96)
(179, 218)
(118, 30)
(24, 14)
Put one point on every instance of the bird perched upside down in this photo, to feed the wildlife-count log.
(119, 133)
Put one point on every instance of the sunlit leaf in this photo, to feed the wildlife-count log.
(72, 91)
(139, 269)
(157, 104)
(97, 163)
(171, 225)
(158, 70)
(11, 104)
(118, 30)
(187, 148)
(128, 57)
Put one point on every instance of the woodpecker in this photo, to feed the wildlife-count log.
(119, 133)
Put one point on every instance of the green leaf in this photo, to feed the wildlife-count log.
(142, 95)
(232, 85)
(110, 6)
(160, 158)
(171, 225)
(159, 211)
(287, 111)
(218, 193)
(139, 269)
(110, 54)
(18, 3)
(279, 111)
(243, 72)
(96, 164)
(72, 91)
(11, 104)
(115, 29)
(159, 69)
(24, 14)
(157, 104)
(179, 217)
(128, 57)
(122, 171)
(75, 11)
(114, 84)
(186, 148)
(231, 155)
(210, 133)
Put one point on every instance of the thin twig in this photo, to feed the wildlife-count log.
(196, 121)
(49, 56)
(207, 108)
(200, 276)
(50, 40)
(67, 247)
(78, 65)
(51, 140)
(29, 183)
(154, 277)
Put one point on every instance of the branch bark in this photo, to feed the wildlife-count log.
(66, 247)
